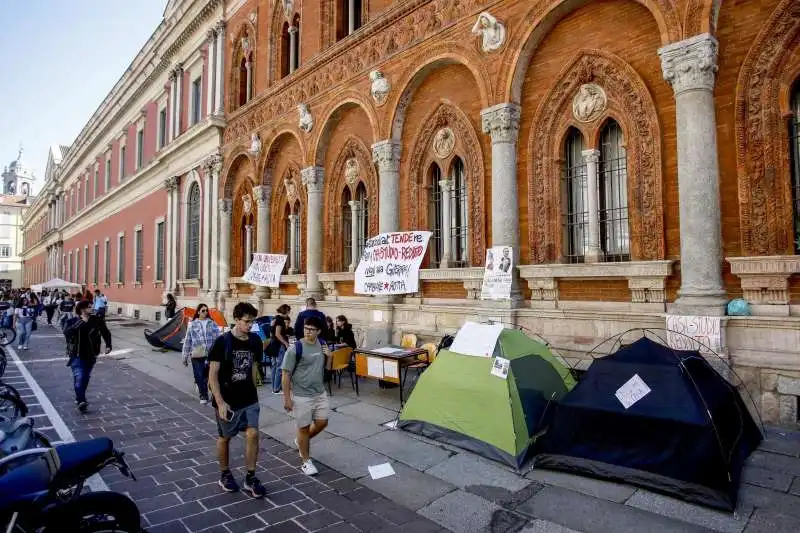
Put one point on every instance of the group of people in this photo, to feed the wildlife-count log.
(228, 366)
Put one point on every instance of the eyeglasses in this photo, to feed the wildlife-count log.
(203, 311)
(310, 330)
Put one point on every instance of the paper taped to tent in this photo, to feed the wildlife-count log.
(170, 336)
(655, 417)
(493, 401)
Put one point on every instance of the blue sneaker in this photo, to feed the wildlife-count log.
(227, 482)
(254, 487)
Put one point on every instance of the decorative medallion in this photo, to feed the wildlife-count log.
(291, 189)
(444, 142)
(589, 103)
(247, 204)
(380, 87)
(306, 121)
(255, 144)
(351, 171)
(491, 30)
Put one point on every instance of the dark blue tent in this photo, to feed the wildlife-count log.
(687, 437)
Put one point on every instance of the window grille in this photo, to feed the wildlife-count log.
(193, 234)
(575, 201)
(613, 194)
(435, 216)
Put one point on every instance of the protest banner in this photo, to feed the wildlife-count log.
(701, 333)
(265, 270)
(497, 273)
(390, 263)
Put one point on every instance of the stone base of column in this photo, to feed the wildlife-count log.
(262, 292)
(699, 303)
(317, 294)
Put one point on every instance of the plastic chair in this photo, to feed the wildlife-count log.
(339, 362)
(409, 340)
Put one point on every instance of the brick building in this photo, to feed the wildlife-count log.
(640, 156)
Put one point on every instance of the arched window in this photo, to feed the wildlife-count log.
(435, 215)
(347, 231)
(574, 200)
(287, 237)
(458, 214)
(248, 233)
(362, 220)
(285, 44)
(243, 81)
(794, 151)
(193, 233)
(348, 17)
(613, 194)
(298, 233)
(296, 51)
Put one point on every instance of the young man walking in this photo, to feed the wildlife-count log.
(308, 312)
(304, 388)
(232, 377)
(83, 333)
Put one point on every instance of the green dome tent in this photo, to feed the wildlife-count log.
(459, 401)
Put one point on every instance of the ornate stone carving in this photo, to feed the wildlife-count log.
(386, 154)
(448, 116)
(589, 103)
(305, 120)
(262, 193)
(313, 178)
(255, 144)
(291, 189)
(501, 122)
(225, 206)
(491, 30)
(171, 183)
(690, 64)
(631, 105)
(351, 171)
(765, 198)
(380, 87)
(247, 204)
(288, 9)
(252, 17)
(444, 142)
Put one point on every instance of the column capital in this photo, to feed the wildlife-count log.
(292, 30)
(220, 27)
(171, 183)
(213, 164)
(501, 121)
(446, 185)
(313, 178)
(262, 194)
(386, 154)
(591, 156)
(211, 34)
(293, 218)
(690, 64)
(225, 207)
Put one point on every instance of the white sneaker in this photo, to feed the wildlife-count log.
(295, 443)
(309, 469)
(203, 402)
(19, 346)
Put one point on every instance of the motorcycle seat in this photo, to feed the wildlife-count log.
(23, 483)
(82, 459)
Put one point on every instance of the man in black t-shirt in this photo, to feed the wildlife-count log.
(232, 377)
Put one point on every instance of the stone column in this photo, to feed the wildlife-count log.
(592, 253)
(248, 65)
(351, 16)
(446, 188)
(502, 123)
(211, 70)
(178, 98)
(215, 164)
(169, 184)
(292, 49)
(220, 80)
(386, 155)
(248, 245)
(354, 223)
(690, 67)
(294, 220)
(262, 195)
(313, 179)
(207, 208)
(225, 207)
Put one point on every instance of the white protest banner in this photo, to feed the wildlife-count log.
(497, 273)
(265, 270)
(701, 333)
(390, 263)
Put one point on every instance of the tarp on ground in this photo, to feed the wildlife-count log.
(459, 401)
(170, 336)
(687, 437)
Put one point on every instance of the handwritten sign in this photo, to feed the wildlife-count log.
(390, 263)
(701, 333)
(497, 273)
(632, 391)
(265, 270)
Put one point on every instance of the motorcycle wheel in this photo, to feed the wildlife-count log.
(7, 336)
(5, 388)
(98, 512)
(11, 407)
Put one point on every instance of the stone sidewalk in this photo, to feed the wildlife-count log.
(465, 493)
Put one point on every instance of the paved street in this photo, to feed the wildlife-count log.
(144, 401)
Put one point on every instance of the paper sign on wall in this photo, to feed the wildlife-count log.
(265, 270)
(701, 333)
(390, 263)
(500, 367)
(497, 273)
(632, 391)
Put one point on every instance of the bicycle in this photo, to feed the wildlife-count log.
(7, 333)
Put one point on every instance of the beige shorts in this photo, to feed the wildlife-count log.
(306, 409)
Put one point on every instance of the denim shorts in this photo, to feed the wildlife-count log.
(246, 417)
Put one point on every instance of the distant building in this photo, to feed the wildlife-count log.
(18, 182)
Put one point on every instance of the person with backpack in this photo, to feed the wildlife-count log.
(83, 333)
(232, 376)
(278, 344)
(304, 393)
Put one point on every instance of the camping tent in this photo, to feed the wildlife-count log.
(56, 283)
(459, 401)
(171, 334)
(687, 437)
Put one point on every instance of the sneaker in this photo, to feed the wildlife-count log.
(253, 487)
(309, 469)
(277, 392)
(83, 406)
(24, 347)
(19, 346)
(227, 482)
(203, 401)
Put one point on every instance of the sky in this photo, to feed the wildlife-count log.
(58, 61)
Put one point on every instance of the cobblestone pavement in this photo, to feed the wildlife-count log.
(169, 441)
(143, 400)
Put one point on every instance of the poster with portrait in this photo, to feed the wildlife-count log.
(497, 273)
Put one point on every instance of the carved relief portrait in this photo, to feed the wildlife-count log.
(247, 204)
(291, 189)
(351, 172)
(444, 143)
(380, 87)
(589, 103)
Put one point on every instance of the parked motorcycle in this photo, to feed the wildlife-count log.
(41, 490)
(17, 435)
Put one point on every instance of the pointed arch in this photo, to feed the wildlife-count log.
(336, 183)
(278, 45)
(283, 196)
(468, 147)
(243, 50)
(631, 105)
(240, 215)
(762, 155)
(241, 162)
